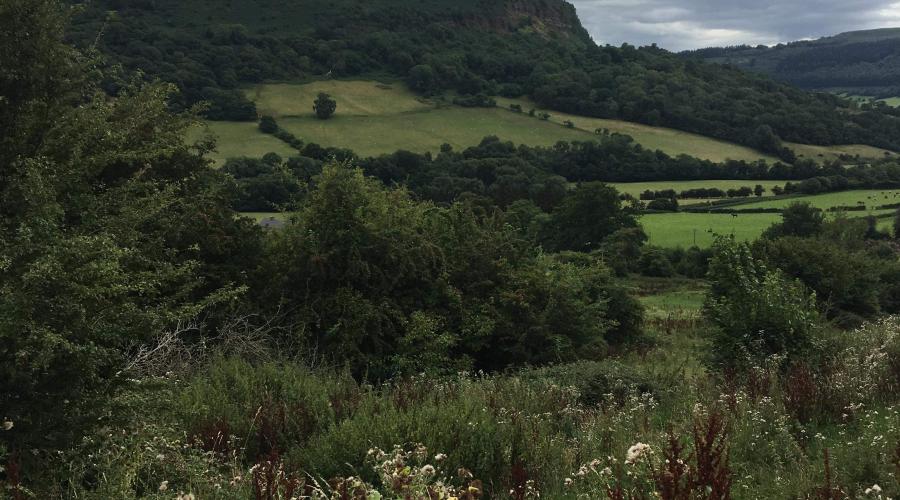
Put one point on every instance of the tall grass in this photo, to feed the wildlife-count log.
(602, 429)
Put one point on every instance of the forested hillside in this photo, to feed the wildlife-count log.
(858, 62)
(534, 48)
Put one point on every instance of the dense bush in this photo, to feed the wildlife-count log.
(846, 282)
(391, 285)
(798, 219)
(756, 311)
(112, 228)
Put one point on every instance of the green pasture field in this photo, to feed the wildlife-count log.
(824, 153)
(871, 198)
(235, 139)
(376, 118)
(427, 131)
(355, 98)
(890, 101)
(636, 188)
(681, 229)
(671, 141)
(688, 229)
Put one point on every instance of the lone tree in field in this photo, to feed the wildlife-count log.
(324, 106)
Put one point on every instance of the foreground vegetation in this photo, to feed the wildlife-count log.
(235, 429)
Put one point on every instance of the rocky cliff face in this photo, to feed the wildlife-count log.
(547, 17)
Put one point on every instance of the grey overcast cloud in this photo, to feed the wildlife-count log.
(688, 24)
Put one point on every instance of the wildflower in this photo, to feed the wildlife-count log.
(428, 470)
(7, 425)
(636, 451)
(569, 481)
(185, 496)
(163, 486)
(875, 489)
(440, 457)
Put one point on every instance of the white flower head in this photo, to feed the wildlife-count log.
(636, 452)
(874, 490)
(163, 486)
(7, 425)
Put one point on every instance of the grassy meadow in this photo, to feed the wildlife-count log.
(674, 142)
(827, 153)
(690, 229)
(355, 98)
(426, 131)
(376, 118)
(636, 188)
(235, 139)
(686, 229)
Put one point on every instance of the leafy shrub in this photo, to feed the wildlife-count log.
(655, 263)
(756, 311)
(847, 282)
(392, 284)
(268, 125)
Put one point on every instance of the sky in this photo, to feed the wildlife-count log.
(688, 24)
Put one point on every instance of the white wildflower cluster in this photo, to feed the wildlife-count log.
(636, 452)
(874, 491)
(409, 474)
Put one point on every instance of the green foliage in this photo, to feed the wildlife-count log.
(200, 45)
(846, 282)
(207, 434)
(389, 284)
(756, 311)
(592, 212)
(798, 219)
(897, 224)
(268, 125)
(654, 263)
(324, 106)
(422, 78)
(111, 230)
